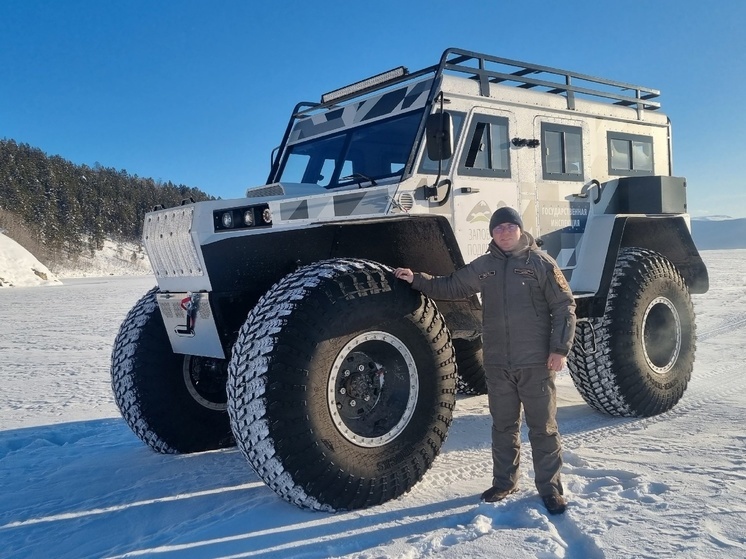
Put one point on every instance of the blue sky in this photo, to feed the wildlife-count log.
(200, 92)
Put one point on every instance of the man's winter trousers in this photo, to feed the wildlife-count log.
(533, 388)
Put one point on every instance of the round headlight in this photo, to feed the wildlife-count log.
(267, 216)
(227, 220)
(248, 218)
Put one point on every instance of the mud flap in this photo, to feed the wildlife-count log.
(190, 324)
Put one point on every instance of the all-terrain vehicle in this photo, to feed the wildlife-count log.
(277, 324)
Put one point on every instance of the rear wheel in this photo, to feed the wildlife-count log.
(638, 358)
(341, 386)
(172, 402)
(471, 376)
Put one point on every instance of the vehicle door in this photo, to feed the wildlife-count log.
(484, 178)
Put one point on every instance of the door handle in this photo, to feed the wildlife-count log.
(468, 190)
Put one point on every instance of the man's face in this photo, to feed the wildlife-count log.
(506, 236)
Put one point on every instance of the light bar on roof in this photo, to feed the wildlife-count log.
(362, 85)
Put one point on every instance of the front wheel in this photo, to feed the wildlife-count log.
(638, 358)
(174, 403)
(341, 386)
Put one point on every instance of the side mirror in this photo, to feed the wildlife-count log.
(439, 135)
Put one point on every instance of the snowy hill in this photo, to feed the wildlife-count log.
(115, 259)
(19, 268)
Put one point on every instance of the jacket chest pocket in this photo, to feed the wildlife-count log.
(533, 292)
(529, 287)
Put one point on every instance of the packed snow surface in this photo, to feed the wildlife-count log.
(76, 482)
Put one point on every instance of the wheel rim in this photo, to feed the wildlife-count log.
(661, 338)
(372, 389)
(205, 379)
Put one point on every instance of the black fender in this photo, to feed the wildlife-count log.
(243, 268)
(668, 235)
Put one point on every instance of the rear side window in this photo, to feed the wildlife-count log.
(562, 152)
(487, 151)
(630, 154)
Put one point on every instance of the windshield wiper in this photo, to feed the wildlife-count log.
(360, 178)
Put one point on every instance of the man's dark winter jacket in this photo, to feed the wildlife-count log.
(528, 310)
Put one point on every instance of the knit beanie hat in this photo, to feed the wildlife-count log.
(505, 215)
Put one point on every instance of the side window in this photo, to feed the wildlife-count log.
(428, 165)
(487, 151)
(630, 154)
(562, 152)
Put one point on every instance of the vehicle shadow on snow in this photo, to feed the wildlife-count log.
(93, 489)
(72, 487)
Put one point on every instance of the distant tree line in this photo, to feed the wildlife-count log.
(65, 209)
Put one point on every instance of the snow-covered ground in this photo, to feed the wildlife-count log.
(75, 482)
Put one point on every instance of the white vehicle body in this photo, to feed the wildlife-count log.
(278, 325)
(557, 208)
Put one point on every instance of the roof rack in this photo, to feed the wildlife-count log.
(488, 69)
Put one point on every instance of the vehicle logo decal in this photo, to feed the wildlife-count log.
(480, 212)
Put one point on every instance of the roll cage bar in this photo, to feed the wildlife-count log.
(487, 69)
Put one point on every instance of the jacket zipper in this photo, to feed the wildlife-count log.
(533, 303)
(505, 311)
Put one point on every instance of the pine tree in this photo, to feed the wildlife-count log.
(69, 208)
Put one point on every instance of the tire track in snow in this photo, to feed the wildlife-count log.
(451, 468)
(467, 465)
(732, 380)
(729, 324)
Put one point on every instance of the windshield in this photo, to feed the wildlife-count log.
(359, 155)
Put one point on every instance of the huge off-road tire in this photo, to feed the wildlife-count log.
(471, 377)
(341, 386)
(637, 359)
(174, 403)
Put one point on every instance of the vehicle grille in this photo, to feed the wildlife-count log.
(168, 242)
(275, 189)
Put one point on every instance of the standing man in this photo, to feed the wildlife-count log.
(528, 325)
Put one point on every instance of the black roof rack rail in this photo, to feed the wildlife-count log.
(489, 69)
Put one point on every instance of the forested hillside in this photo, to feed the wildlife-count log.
(57, 209)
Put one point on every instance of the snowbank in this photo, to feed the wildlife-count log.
(19, 268)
